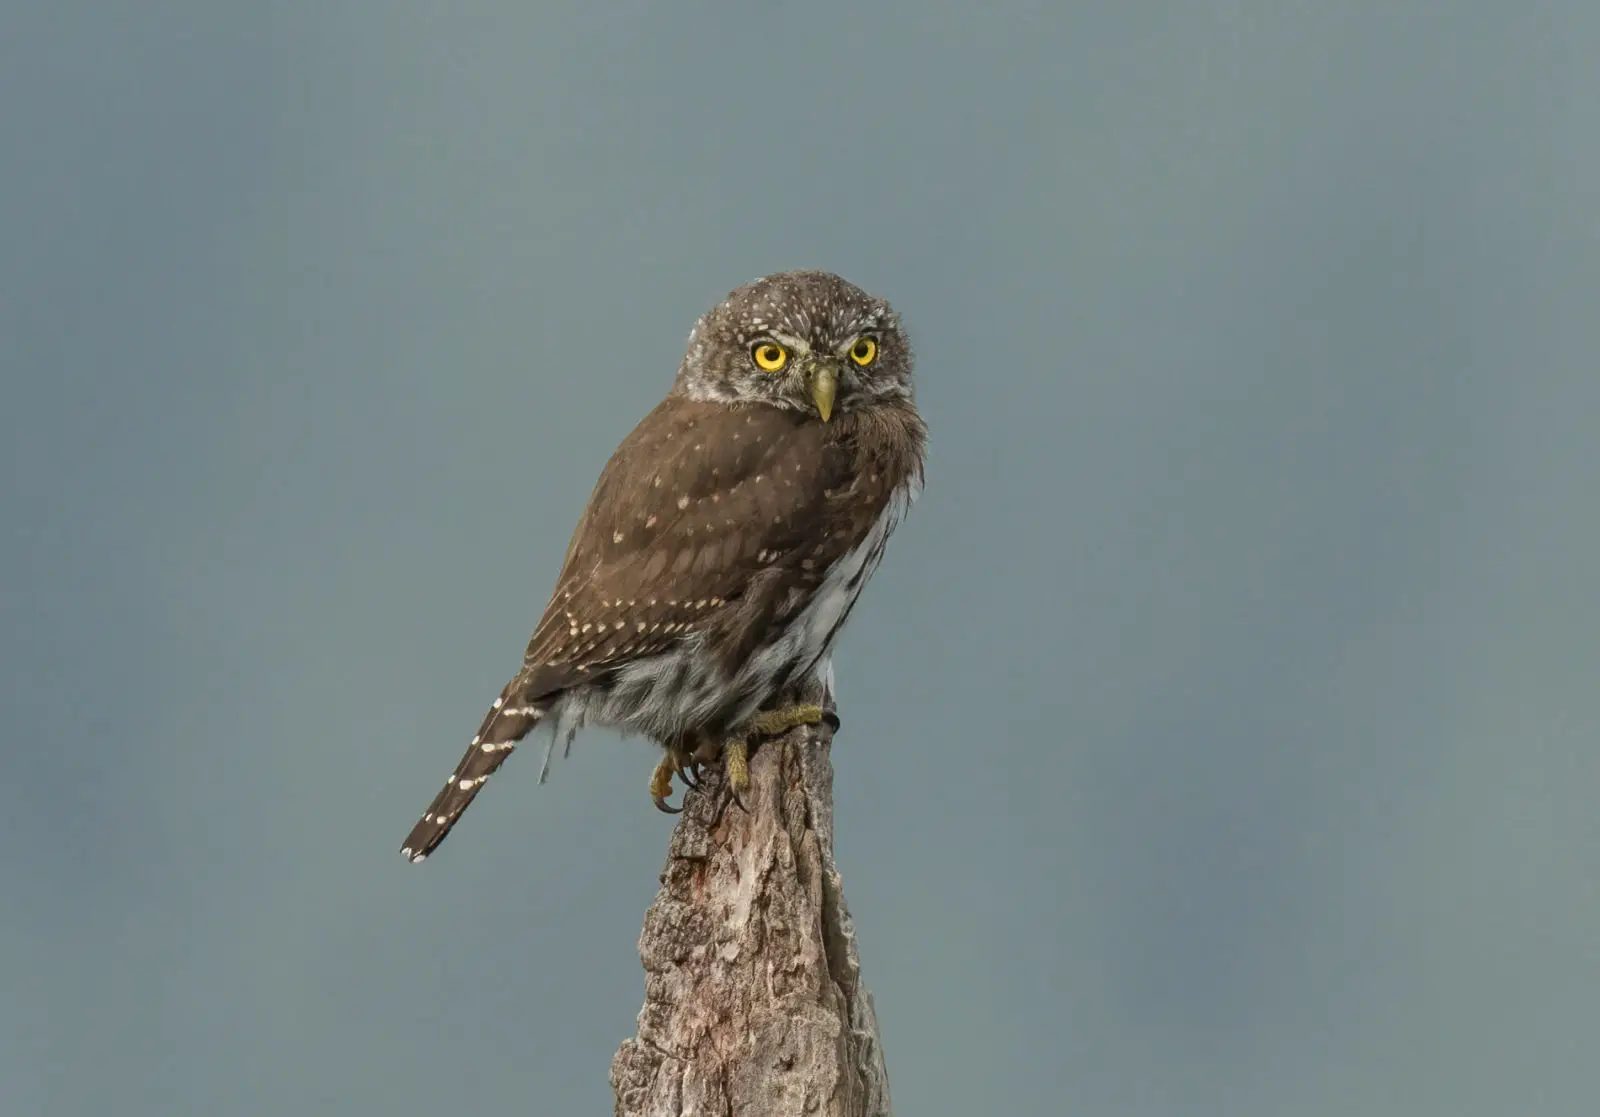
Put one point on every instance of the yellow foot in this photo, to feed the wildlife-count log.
(769, 723)
(736, 760)
(675, 763)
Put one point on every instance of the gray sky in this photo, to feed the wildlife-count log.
(1220, 732)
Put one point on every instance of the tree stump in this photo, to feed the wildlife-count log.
(754, 1005)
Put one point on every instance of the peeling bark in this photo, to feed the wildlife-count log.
(754, 1005)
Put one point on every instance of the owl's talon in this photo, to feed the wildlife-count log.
(770, 723)
(661, 782)
(690, 775)
(736, 762)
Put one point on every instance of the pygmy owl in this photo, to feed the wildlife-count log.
(725, 543)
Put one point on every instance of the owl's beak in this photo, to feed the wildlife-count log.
(824, 385)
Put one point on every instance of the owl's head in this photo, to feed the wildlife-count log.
(804, 340)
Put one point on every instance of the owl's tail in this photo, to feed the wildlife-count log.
(509, 720)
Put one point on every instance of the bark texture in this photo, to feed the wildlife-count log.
(754, 1005)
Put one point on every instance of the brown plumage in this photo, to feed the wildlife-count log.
(728, 536)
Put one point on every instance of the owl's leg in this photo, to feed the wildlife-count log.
(736, 762)
(675, 762)
(768, 723)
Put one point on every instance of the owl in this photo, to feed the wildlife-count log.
(724, 545)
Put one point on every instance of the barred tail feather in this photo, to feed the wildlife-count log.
(509, 720)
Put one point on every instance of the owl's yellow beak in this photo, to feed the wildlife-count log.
(824, 385)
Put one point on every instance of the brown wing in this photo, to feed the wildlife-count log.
(708, 519)
(702, 520)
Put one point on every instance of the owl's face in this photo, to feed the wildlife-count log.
(804, 340)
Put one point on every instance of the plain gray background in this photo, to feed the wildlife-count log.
(1220, 732)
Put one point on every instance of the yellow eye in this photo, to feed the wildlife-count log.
(864, 351)
(770, 356)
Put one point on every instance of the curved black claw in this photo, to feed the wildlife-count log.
(738, 802)
(663, 806)
(831, 719)
(690, 775)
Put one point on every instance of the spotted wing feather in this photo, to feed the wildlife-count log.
(701, 508)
